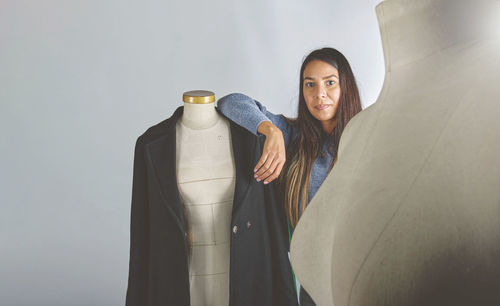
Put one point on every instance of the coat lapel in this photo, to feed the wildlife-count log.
(244, 151)
(163, 158)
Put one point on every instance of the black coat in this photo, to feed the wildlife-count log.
(260, 273)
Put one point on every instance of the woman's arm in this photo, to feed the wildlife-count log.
(253, 116)
(249, 113)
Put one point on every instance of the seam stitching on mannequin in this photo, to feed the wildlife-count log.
(227, 202)
(385, 89)
(213, 224)
(212, 244)
(469, 43)
(210, 179)
(209, 274)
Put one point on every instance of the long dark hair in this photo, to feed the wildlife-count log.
(295, 178)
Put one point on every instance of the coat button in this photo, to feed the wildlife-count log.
(235, 229)
(249, 224)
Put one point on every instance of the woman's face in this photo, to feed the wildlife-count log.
(322, 92)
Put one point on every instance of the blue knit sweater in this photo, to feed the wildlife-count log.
(249, 113)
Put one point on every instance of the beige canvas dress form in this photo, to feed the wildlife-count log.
(410, 214)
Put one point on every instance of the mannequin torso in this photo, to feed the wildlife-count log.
(206, 180)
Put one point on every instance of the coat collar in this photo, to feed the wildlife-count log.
(162, 154)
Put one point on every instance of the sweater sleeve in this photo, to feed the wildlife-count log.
(250, 113)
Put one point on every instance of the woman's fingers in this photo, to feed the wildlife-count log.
(270, 169)
(267, 168)
(261, 162)
(275, 174)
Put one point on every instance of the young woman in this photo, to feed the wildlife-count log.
(305, 147)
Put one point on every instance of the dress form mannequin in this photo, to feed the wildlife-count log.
(410, 214)
(206, 181)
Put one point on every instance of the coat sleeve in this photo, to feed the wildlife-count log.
(139, 232)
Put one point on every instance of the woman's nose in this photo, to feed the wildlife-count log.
(320, 91)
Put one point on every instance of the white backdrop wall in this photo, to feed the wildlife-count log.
(81, 80)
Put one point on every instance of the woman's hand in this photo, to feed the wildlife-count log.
(273, 155)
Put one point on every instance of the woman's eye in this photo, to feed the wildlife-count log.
(330, 82)
(309, 84)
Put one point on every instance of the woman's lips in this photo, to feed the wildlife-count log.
(322, 106)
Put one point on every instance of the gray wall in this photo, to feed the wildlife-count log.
(80, 80)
